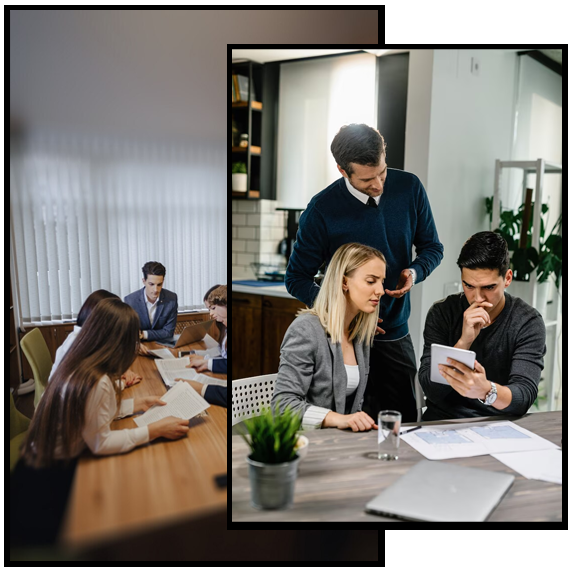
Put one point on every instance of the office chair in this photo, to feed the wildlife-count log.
(249, 395)
(18, 427)
(34, 347)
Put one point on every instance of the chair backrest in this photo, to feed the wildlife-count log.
(18, 421)
(249, 395)
(34, 347)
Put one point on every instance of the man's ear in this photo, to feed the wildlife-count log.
(508, 277)
(341, 171)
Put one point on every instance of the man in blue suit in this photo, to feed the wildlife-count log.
(156, 307)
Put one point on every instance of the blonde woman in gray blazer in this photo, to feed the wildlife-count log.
(324, 360)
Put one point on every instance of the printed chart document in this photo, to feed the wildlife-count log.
(544, 465)
(468, 440)
(182, 402)
(170, 370)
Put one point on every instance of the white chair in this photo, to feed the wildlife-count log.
(250, 395)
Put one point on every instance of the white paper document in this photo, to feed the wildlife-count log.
(161, 353)
(468, 440)
(214, 352)
(170, 370)
(545, 464)
(210, 342)
(182, 402)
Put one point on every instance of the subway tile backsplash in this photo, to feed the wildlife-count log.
(257, 230)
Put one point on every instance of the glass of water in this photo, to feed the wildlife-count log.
(389, 427)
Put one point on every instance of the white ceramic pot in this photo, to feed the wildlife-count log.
(239, 182)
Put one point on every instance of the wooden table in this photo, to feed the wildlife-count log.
(158, 484)
(337, 478)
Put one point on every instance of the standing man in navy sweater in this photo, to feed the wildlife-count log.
(390, 213)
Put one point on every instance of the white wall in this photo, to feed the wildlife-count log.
(469, 125)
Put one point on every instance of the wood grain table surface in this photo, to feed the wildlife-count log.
(337, 477)
(153, 485)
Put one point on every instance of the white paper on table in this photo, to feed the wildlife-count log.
(471, 439)
(213, 352)
(182, 402)
(545, 464)
(209, 341)
(161, 353)
(170, 370)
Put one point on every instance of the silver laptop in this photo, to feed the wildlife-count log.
(193, 333)
(440, 492)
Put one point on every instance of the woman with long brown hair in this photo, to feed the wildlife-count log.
(75, 412)
(217, 302)
(83, 398)
(129, 378)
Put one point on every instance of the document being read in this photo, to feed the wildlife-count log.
(470, 439)
(170, 370)
(182, 402)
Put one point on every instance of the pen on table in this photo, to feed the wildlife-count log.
(410, 430)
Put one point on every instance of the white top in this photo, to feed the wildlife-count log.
(63, 349)
(223, 351)
(314, 415)
(364, 198)
(151, 308)
(100, 411)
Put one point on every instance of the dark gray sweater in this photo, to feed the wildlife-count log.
(511, 350)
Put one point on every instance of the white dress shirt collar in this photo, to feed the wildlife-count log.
(364, 198)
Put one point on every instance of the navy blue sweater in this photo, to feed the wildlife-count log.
(335, 217)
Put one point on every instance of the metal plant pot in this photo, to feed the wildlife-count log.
(272, 484)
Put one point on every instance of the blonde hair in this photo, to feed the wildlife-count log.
(330, 304)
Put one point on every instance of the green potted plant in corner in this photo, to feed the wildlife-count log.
(239, 177)
(273, 461)
(516, 229)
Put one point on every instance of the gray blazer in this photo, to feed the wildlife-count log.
(312, 370)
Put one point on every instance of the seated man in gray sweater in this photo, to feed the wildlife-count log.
(506, 334)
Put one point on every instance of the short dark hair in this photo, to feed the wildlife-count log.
(357, 143)
(91, 302)
(485, 250)
(153, 268)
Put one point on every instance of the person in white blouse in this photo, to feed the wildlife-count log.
(324, 359)
(129, 377)
(83, 397)
(216, 300)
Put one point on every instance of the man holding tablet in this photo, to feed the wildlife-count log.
(506, 334)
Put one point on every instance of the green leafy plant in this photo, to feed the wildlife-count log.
(527, 259)
(272, 436)
(239, 168)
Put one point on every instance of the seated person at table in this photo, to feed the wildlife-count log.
(206, 296)
(217, 300)
(156, 307)
(83, 398)
(506, 334)
(129, 377)
(325, 354)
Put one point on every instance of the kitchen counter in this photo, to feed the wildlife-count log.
(274, 290)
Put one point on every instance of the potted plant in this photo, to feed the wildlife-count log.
(273, 461)
(516, 229)
(239, 177)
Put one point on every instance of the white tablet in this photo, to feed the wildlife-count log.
(440, 354)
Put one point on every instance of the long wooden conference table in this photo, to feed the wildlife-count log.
(337, 477)
(161, 485)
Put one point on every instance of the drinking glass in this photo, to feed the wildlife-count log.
(389, 427)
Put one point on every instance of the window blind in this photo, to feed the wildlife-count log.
(88, 213)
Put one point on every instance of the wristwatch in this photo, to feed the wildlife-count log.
(491, 396)
(413, 275)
